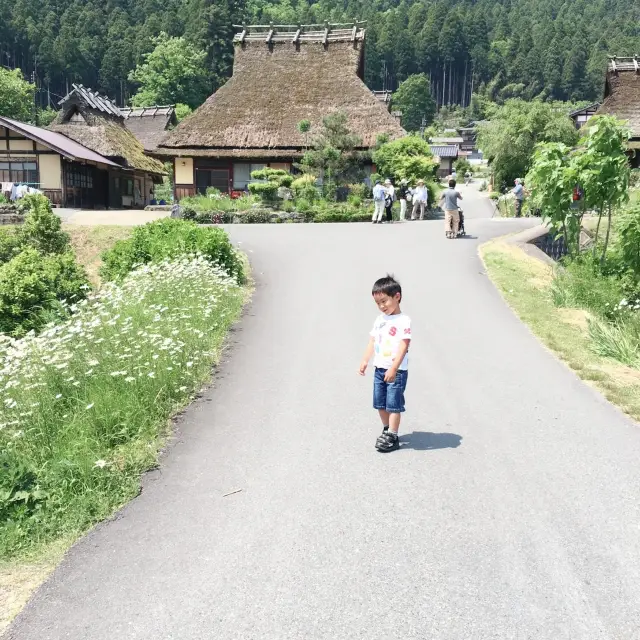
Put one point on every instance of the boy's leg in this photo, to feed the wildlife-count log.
(384, 417)
(395, 407)
(394, 422)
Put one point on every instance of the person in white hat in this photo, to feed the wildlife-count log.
(420, 197)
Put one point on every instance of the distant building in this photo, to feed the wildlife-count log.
(149, 124)
(581, 116)
(446, 154)
(622, 99)
(97, 123)
(281, 76)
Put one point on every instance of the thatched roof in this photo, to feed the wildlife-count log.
(280, 78)
(96, 122)
(622, 92)
(149, 124)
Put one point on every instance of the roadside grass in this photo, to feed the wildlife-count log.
(575, 334)
(90, 242)
(86, 407)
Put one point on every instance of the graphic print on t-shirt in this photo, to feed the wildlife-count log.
(388, 333)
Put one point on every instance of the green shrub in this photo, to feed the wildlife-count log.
(256, 216)
(42, 228)
(266, 191)
(33, 288)
(9, 245)
(359, 190)
(581, 285)
(170, 238)
(462, 166)
(305, 188)
(614, 340)
(3, 199)
(189, 213)
(333, 216)
(361, 216)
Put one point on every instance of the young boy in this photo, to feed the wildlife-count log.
(390, 338)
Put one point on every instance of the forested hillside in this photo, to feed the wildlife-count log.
(553, 48)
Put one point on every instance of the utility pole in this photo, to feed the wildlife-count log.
(423, 126)
(35, 94)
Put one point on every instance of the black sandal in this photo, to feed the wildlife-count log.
(388, 442)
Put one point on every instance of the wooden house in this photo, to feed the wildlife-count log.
(446, 155)
(581, 116)
(281, 76)
(96, 123)
(65, 171)
(622, 99)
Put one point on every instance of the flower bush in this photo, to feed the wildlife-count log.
(170, 238)
(84, 404)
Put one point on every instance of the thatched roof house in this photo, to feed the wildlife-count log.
(281, 76)
(97, 123)
(622, 97)
(149, 124)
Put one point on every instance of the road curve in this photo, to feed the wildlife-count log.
(510, 512)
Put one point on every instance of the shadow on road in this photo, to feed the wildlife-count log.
(425, 441)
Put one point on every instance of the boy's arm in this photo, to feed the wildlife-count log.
(390, 376)
(367, 356)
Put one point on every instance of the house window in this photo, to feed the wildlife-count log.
(22, 172)
(241, 175)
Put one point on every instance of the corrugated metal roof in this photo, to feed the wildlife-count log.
(444, 151)
(56, 141)
(92, 99)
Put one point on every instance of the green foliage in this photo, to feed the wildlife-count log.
(334, 154)
(528, 48)
(42, 229)
(182, 111)
(407, 158)
(304, 187)
(33, 286)
(280, 177)
(85, 405)
(9, 244)
(463, 166)
(509, 139)
(414, 99)
(221, 204)
(174, 72)
(16, 95)
(171, 238)
(304, 126)
(266, 191)
(46, 116)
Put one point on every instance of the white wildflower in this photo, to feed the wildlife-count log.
(100, 464)
(90, 406)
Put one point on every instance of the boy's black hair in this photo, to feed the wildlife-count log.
(387, 285)
(452, 184)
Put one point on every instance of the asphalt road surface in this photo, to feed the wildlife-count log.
(511, 511)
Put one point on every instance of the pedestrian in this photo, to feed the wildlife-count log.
(388, 344)
(518, 192)
(389, 198)
(450, 199)
(420, 198)
(379, 193)
(403, 192)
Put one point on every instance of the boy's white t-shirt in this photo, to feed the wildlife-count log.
(388, 333)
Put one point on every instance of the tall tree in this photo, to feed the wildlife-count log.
(414, 99)
(16, 96)
(175, 71)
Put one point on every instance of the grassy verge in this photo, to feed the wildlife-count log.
(89, 243)
(528, 287)
(85, 407)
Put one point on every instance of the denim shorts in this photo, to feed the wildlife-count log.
(389, 395)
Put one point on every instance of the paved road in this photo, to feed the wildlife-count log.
(511, 512)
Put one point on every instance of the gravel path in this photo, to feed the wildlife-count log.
(511, 511)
